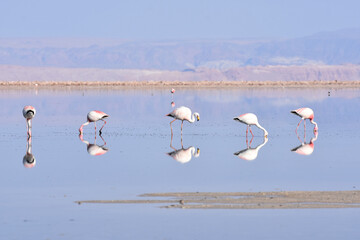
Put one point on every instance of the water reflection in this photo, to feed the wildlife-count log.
(29, 160)
(305, 148)
(183, 155)
(250, 153)
(95, 149)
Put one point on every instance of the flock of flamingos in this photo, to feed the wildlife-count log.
(182, 114)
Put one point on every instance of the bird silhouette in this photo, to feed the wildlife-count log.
(94, 116)
(305, 113)
(29, 113)
(250, 153)
(250, 119)
(183, 114)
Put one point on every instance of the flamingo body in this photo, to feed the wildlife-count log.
(184, 155)
(306, 148)
(305, 113)
(94, 116)
(29, 113)
(250, 154)
(250, 119)
(96, 150)
(183, 114)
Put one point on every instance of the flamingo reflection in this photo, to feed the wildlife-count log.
(95, 149)
(29, 160)
(250, 153)
(306, 148)
(183, 155)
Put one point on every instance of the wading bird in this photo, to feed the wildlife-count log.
(94, 116)
(93, 148)
(184, 155)
(183, 113)
(306, 148)
(305, 113)
(250, 153)
(250, 119)
(29, 112)
(29, 160)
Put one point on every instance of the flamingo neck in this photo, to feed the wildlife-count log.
(261, 145)
(259, 126)
(84, 124)
(316, 126)
(192, 150)
(28, 122)
(192, 118)
(29, 146)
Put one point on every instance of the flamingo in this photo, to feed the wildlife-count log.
(184, 155)
(306, 148)
(250, 153)
(183, 113)
(94, 116)
(305, 113)
(94, 149)
(29, 160)
(172, 91)
(28, 113)
(250, 119)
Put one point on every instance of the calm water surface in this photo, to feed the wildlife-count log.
(38, 202)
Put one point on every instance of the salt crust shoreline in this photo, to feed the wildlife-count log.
(197, 84)
(245, 200)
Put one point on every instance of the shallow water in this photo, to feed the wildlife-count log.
(38, 202)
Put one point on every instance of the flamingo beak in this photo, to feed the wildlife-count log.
(198, 118)
(198, 151)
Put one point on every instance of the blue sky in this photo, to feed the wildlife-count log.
(173, 19)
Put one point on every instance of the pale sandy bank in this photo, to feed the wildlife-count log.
(246, 200)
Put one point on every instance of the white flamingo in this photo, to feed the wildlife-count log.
(183, 113)
(184, 155)
(94, 116)
(305, 113)
(94, 149)
(29, 113)
(250, 119)
(306, 148)
(249, 153)
(29, 160)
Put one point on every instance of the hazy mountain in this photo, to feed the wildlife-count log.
(331, 48)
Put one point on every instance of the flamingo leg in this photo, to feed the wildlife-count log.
(102, 127)
(304, 130)
(95, 127)
(247, 142)
(298, 137)
(103, 141)
(298, 126)
(171, 141)
(251, 140)
(171, 127)
(247, 129)
(182, 146)
(251, 131)
(182, 123)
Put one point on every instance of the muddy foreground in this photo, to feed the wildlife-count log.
(245, 200)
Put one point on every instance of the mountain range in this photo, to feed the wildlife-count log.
(327, 48)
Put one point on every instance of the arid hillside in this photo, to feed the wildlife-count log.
(251, 73)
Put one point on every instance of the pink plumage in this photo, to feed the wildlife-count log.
(305, 113)
(94, 116)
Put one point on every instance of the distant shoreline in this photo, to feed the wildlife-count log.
(196, 84)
